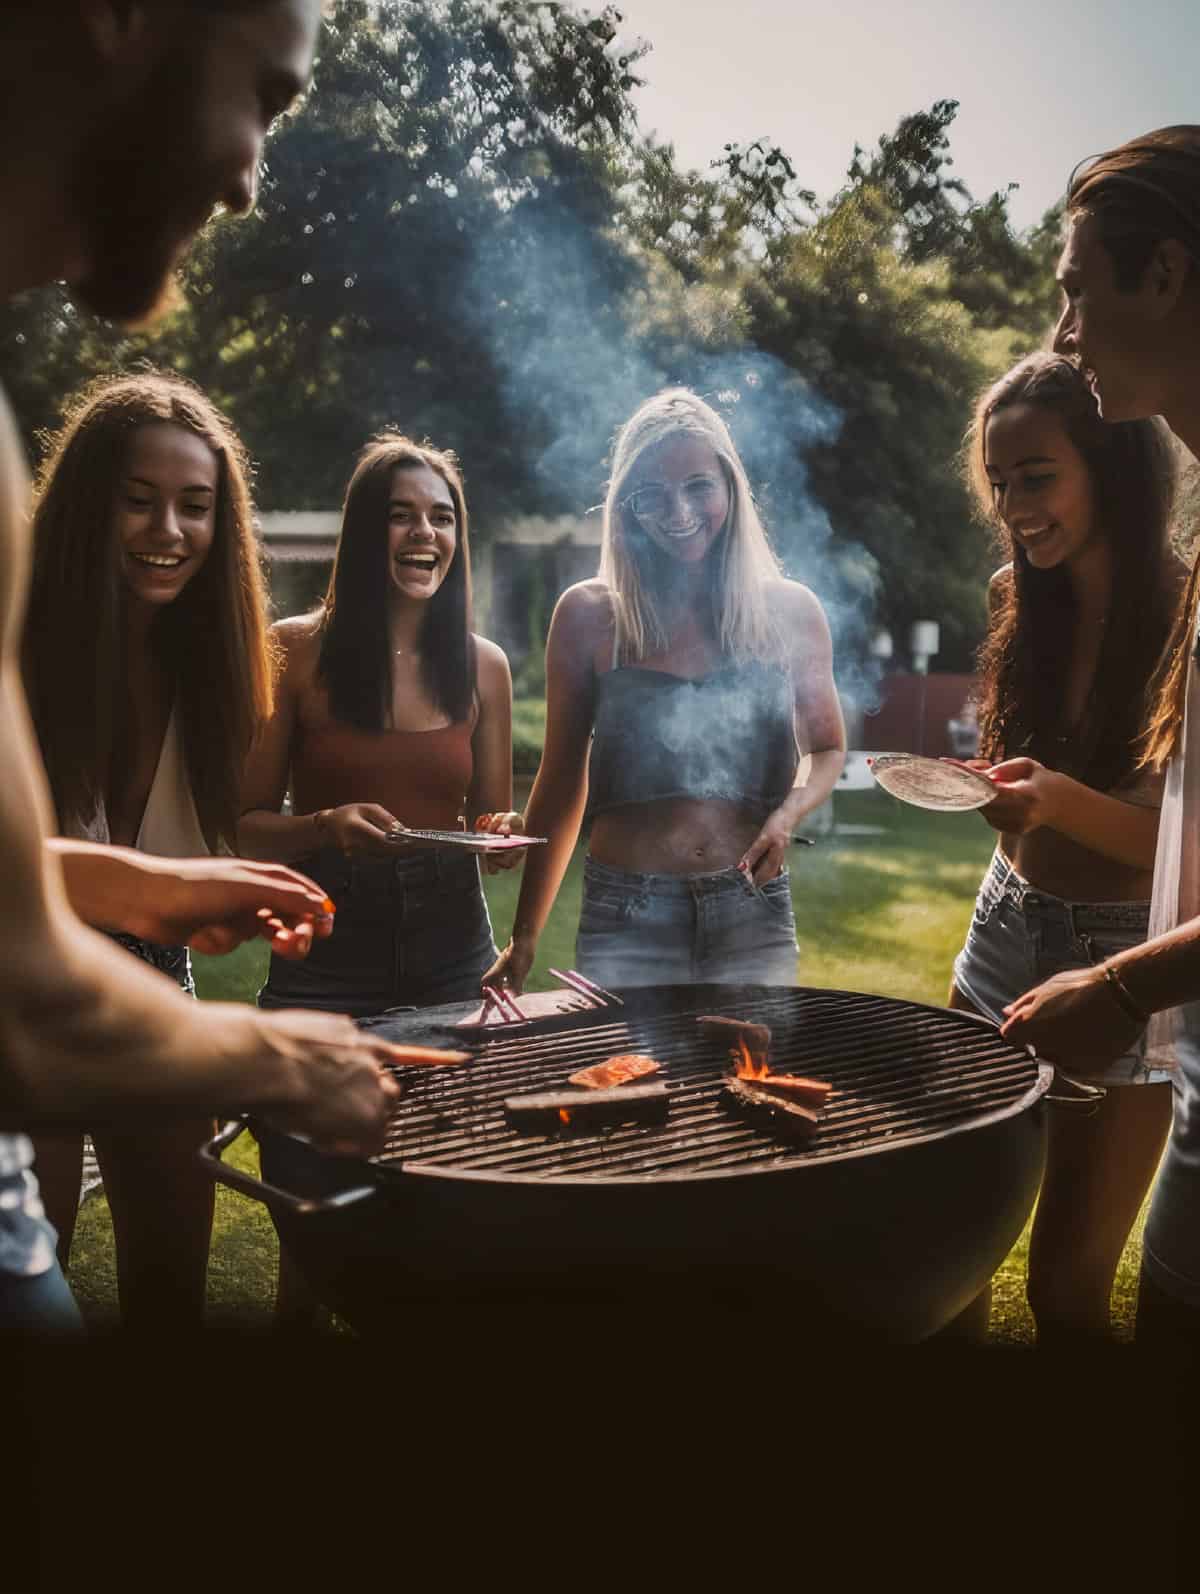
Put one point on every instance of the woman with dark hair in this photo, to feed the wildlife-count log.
(148, 671)
(1078, 621)
(388, 710)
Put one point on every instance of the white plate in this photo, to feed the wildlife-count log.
(931, 783)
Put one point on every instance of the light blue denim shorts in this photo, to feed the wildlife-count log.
(1020, 936)
(664, 929)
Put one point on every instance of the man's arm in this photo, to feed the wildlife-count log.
(87, 1032)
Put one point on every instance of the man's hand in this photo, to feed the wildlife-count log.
(211, 904)
(1072, 1019)
(342, 1098)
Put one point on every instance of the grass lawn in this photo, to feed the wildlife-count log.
(881, 905)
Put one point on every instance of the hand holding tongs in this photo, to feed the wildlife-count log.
(498, 1003)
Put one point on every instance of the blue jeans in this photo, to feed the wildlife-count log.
(661, 929)
(40, 1308)
(1020, 936)
(410, 931)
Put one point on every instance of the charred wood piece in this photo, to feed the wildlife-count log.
(773, 1111)
(558, 1110)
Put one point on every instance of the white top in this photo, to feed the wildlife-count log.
(1171, 1240)
(170, 826)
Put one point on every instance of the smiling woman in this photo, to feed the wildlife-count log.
(148, 672)
(389, 711)
(1079, 617)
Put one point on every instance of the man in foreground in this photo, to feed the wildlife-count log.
(123, 125)
(1130, 275)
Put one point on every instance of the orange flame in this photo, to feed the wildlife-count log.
(564, 1115)
(744, 1062)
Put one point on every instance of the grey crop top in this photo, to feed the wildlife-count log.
(729, 735)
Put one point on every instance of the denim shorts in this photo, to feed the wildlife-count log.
(665, 929)
(410, 931)
(1020, 936)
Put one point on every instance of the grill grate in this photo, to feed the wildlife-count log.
(900, 1072)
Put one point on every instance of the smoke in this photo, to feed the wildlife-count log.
(550, 301)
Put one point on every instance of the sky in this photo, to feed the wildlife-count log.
(1041, 83)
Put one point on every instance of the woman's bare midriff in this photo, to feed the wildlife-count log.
(1065, 868)
(676, 835)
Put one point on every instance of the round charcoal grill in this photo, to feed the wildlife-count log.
(886, 1220)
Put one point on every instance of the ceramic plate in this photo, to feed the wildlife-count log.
(931, 783)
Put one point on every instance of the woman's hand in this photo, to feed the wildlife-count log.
(511, 968)
(1027, 797)
(766, 856)
(1072, 1019)
(359, 827)
(509, 824)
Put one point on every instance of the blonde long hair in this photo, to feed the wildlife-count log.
(633, 568)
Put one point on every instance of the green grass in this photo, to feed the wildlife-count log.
(882, 912)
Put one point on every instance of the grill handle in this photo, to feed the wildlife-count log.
(270, 1195)
(1086, 1101)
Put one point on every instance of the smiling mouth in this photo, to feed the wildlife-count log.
(426, 562)
(1036, 538)
(684, 532)
(159, 561)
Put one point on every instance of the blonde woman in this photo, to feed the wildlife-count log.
(691, 708)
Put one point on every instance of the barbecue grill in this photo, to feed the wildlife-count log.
(887, 1221)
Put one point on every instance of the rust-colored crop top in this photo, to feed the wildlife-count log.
(420, 776)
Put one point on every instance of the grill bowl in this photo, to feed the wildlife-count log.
(914, 1188)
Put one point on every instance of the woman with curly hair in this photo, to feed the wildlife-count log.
(1079, 617)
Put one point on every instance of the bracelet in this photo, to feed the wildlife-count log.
(1123, 996)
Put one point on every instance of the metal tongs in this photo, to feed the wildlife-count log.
(594, 995)
(501, 1007)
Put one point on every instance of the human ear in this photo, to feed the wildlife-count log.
(1165, 276)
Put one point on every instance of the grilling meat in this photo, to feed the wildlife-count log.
(427, 1056)
(620, 1070)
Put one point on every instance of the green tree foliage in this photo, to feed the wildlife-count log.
(461, 232)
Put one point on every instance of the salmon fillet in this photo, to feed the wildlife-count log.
(618, 1070)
